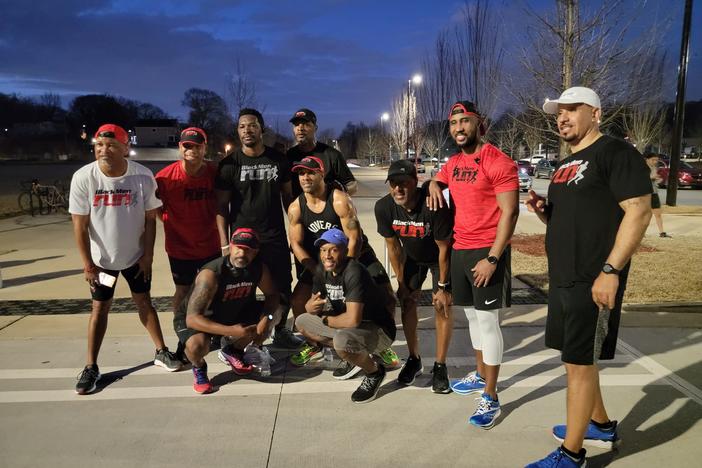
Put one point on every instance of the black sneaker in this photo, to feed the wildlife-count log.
(87, 380)
(410, 370)
(439, 379)
(345, 370)
(368, 389)
(285, 338)
(167, 360)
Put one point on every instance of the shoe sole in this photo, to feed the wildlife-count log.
(374, 395)
(441, 392)
(236, 371)
(353, 373)
(603, 444)
(203, 392)
(488, 426)
(469, 392)
(164, 366)
(414, 377)
(91, 389)
(315, 358)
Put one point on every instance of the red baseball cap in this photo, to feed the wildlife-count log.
(193, 135)
(246, 238)
(309, 163)
(113, 131)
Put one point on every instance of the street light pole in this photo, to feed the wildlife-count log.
(416, 79)
(385, 116)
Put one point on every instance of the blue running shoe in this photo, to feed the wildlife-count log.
(471, 383)
(487, 412)
(594, 436)
(559, 459)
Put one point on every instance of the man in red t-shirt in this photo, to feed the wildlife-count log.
(186, 189)
(484, 187)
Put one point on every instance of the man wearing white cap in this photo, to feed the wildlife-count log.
(596, 213)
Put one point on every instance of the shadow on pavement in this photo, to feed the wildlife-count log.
(111, 377)
(13, 263)
(8, 283)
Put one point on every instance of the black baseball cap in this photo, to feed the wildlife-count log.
(310, 163)
(193, 135)
(402, 167)
(246, 238)
(304, 114)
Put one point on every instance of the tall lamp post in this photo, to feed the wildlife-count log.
(416, 79)
(384, 117)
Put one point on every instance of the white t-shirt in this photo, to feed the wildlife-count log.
(117, 207)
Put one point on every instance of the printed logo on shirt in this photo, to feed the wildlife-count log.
(335, 292)
(464, 174)
(266, 172)
(197, 193)
(410, 228)
(321, 225)
(237, 290)
(571, 172)
(118, 197)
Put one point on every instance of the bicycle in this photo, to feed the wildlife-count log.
(42, 198)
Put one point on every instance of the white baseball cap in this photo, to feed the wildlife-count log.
(574, 95)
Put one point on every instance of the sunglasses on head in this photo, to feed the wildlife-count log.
(107, 134)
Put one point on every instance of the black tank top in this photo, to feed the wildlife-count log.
(236, 287)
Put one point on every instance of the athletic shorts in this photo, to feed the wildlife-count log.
(367, 259)
(137, 284)
(415, 274)
(185, 271)
(576, 327)
(495, 295)
(276, 256)
(245, 316)
(655, 201)
(368, 337)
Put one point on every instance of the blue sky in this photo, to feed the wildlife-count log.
(346, 60)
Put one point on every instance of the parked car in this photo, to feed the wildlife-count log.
(545, 167)
(688, 175)
(524, 181)
(525, 166)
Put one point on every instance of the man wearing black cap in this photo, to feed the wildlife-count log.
(304, 123)
(250, 183)
(346, 312)
(222, 302)
(186, 189)
(484, 189)
(418, 241)
(114, 207)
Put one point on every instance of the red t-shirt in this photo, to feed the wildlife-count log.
(189, 212)
(473, 181)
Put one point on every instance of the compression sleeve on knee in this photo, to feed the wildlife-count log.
(473, 327)
(490, 336)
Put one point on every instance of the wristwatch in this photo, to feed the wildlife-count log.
(325, 320)
(492, 259)
(443, 286)
(609, 269)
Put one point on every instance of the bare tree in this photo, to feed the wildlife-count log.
(507, 135)
(241, 89)
(398, 122)
(326, 136)
(434, 96)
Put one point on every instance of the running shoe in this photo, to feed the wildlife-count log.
(345, 370)
(594, 436)
(306, 354)
(487, 412)
(369, 387)
(390, 358)
(285, 338)
(88, 379)
(235, 359)
(471, 383)
(410, 370)
(559, 459)
(439, 378)
(167, 360)
(201, 383)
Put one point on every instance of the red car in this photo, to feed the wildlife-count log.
(688, 175)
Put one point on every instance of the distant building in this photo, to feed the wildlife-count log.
(160, 133)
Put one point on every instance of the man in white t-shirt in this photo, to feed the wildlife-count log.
(114, 207)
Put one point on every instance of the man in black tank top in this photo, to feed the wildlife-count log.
(319, 208)
(222, 302)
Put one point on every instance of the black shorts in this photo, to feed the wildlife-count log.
(495, 295)
(137, 284)
(246, 315)
(276, 256)
(655, 201)
(415, 274)
(572, 324)
(185, 271)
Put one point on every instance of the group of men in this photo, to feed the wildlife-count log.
(225, 238)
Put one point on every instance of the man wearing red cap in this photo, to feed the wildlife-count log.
(484, 189)
(222, 302)
(186, 189)
(114, 208)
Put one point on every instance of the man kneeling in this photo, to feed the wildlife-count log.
(347, 311)
(222, 302)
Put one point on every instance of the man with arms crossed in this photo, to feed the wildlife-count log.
(598, 208)
(346, 311)
(484, 189)
(113, 205)
(418, 241)
(223, 302)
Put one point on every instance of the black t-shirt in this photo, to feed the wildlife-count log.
(583, 198)
(418, 229)
(255, 184)
(354, 284)
(236, 290)
(335, 167)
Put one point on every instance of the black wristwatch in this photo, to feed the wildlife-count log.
(492, 259)
(609, 269)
